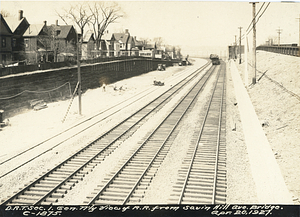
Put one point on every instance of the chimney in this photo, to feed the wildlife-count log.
(126, 31)
(45, 23)
(56, 22)
(20, 14)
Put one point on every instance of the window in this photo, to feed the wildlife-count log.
(3, 59)
(14, 42)
(26, 41)
(3, 42)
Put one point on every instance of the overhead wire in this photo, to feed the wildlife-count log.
(247, 32)
(259, 17)
(255, 16)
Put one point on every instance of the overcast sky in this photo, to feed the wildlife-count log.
(193, 25)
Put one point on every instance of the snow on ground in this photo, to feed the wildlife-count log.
(31, 127)
(272, 104)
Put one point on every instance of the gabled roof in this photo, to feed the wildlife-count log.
(131, 39)
(121, 37)
(33, 30)
(14, 22)
(150, 45)
(4, 28)
(88, 36)
(137, 43)
(63, 31)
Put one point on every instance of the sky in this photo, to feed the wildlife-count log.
(198, 27)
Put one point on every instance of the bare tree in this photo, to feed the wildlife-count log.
(78, 15)
(103, 14)
(178, 52)
(98, 15)
(44, 45)
(4, 13)
(145, 41)
(159, 41)
(174, 52)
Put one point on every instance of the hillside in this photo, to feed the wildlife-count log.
(276, 100)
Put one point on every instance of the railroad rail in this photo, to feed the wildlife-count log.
(74, 131)
(129, 183)
(202, 177)
(54, 184)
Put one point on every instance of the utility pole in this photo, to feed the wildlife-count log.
(299, 37)
(246, 60)
(235, 47)
(279, 32)
(254, 44)
(78, 73)
(240, 44)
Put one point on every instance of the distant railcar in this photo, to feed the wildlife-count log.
(214, 59)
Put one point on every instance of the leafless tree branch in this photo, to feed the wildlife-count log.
(103, 14)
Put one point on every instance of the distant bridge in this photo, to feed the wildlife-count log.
(287, 49)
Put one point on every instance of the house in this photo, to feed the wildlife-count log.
(150, 50)
(118, 44)
(64, 39)
(6, 39)
(88, 46)
(44, 42)
(170, 52)
(122, 43)
(104, 47)
(133, 51)
(126, 45)
(18, 26)
(107, 45)
(138, 44)
(36, 43)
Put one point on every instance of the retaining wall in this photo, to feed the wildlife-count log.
(13, 99)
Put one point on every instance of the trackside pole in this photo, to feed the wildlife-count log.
(78, 72)
(246, 61)
(254, 45)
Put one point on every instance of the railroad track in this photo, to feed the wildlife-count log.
(48, 188)
(88, 123)
(127, 185)
(202, 177)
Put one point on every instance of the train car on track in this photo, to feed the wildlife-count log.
(214, 59)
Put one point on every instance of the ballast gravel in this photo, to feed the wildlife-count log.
(29, 128)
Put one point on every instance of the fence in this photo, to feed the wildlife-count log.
(44, 66)
(287, 50)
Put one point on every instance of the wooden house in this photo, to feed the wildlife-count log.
(18, 26)
(6, 39)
